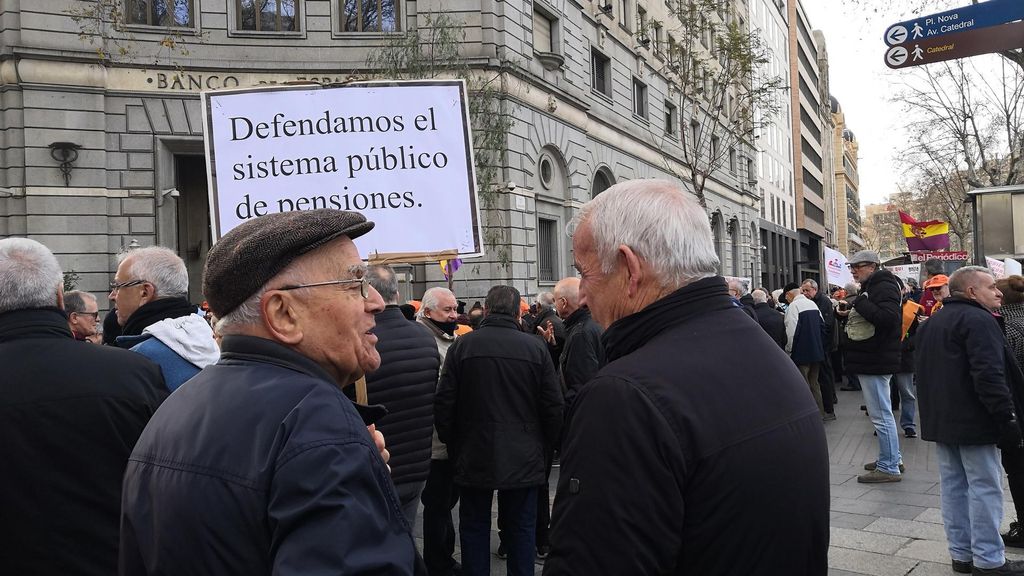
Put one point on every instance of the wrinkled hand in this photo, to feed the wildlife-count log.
(1009, 435)
(548, 332)
(378, 439)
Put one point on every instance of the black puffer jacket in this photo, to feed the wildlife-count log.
(583, 355)
(879, 302)
(962, 375)
(405, 385)
(498, 406)
(772, 321)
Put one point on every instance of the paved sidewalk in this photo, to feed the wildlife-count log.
(877, 529)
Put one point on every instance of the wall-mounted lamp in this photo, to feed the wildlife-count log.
(66, 153)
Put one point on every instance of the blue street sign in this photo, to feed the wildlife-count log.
(983, 15)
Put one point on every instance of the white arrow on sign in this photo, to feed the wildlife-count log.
(896, 55)
(896, 35)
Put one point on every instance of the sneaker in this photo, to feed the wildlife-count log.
(962, 567)
(1009, 568)
(879, 477)
(1015, 536)
(872, 465)
(543, 551)
(502, 552)
(909, 433)
(828, 417)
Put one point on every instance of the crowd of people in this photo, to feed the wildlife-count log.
(300, 419)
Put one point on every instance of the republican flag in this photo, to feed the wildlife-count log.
(930, 235)
(448, 267)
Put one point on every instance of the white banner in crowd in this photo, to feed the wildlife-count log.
(398, 152)
(835, 268)
(998, 267)
(747, 283)
(1011, 267)
(904, 271)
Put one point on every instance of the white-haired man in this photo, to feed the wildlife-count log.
(667, 446)
(83, 314)
(69, 416)
(261, 465)
(149, 291)
(439, 312)
(965, 382)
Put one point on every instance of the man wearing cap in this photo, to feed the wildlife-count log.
(938, 287)
(871, 342)
(261, 465)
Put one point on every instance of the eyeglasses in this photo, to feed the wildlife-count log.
(364, 285)
(858, 265)
(95, 315)
(114, 286)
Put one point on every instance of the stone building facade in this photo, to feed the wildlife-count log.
(849, 239)
(591, 107)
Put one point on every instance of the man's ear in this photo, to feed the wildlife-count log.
(634, 269)
(280, 317)
(148, 292)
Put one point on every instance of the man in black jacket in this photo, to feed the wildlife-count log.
(583, 354)
(676, 453)
(260, 464)
(967, 409)
(872, 352)
(405, 384)
(69, 416)
(826, 378)
(773, 321)
(549, 322)
(498, 409)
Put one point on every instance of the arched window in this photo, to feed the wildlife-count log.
(735, 236)
(602, 181)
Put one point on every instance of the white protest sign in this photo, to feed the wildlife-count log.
(904, 271)
(1011, 267)
(398, 152)
(998, 267)
(836, 271)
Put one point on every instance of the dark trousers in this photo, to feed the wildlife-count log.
(518, 508)
(543, 505)
(1013, 463)
(826, 382)
(439, 497)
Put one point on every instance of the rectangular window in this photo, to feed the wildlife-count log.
(657, 38)
(639, 98)
(671, 119)
(715, 140)
(369, 16)
(624, 14)
(600, 73)
(268, 15)
(164, 13)
(732, 160)
(694, 133)
(547, 249)
(541, 33)
(641, 21)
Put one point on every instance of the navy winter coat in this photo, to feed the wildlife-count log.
(260, 465)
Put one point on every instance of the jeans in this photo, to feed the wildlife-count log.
(810, 374)
(908, 398)
(972, 502)
(439, 497)
(518, 509)
(876, 397)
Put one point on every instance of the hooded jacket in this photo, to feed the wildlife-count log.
(181, 344)
(667, 451)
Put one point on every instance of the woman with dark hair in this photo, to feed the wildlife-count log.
(1012, 313)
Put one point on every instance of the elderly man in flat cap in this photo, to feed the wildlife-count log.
(260, 464)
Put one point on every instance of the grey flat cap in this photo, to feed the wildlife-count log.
(865, 256)
(248, 256)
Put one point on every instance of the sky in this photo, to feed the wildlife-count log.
(863, 84)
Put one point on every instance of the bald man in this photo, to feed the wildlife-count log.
(583, 354)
